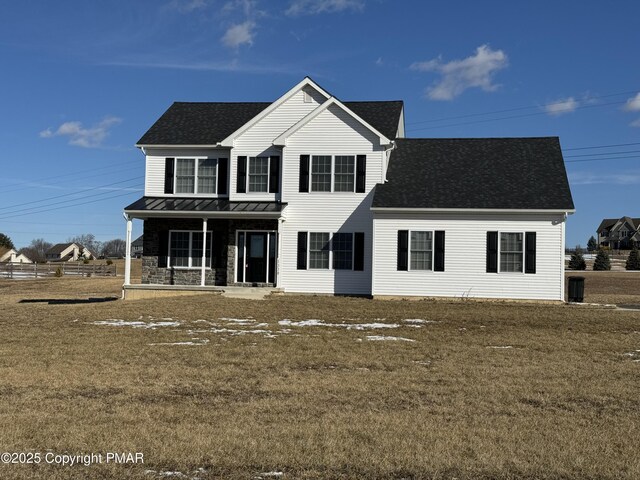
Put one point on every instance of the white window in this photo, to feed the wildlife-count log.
(196, 175)
(259, 174)
(185, 249)
(345, 173)
(321, 173)
(511, 252)
(421, 250)
(318, 250)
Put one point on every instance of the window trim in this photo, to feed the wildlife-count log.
(331, 268)
(523, 252)
(333, 173)
(195, 178)
(190, 257)
(248, 174)
(433, 239)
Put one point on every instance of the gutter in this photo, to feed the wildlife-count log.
(467, 210)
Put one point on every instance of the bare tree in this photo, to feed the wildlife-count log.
(114, 248)
(87, 240)
(37, 249)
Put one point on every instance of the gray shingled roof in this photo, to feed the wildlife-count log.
(610, 222)
(58, 248)
(207, 123)
(476, 173)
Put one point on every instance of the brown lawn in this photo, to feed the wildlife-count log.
(484, 390)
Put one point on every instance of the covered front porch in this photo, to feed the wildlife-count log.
(203, 244)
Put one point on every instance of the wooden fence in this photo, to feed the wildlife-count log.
(38, 270)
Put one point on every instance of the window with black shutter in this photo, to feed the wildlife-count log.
(302, 250)
(274, 174)
(438, 260)
(169, 170)
(530, 252)
(492, 252)
(241, 184)
(403, 250)
(223, 176)
(304, 173)
(361, 173)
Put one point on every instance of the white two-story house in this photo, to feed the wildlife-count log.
(310, 194)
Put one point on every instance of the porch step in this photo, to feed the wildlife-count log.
(249, 293)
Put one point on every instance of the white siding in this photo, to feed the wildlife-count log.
(465, 257)
(155, 162)
(258, 140)
(332, 132)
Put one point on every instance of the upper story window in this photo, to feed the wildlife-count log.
(321, 173)
(195, 175)
(258, 174)
(337, 173)
(604, 233)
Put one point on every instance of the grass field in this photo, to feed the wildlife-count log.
(209, 387)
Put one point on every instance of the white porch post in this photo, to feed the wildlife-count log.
(127, 258)
(204, 252)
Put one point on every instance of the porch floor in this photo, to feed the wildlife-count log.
(140, 291)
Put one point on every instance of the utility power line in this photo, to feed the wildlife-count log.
(602, 146)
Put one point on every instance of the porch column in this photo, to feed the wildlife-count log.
(203, 272)
(127, 257)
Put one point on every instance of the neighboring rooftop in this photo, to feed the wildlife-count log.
(58, 248)
(476, 173)
(610, 222)
(207, 123)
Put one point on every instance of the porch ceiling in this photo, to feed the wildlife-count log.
(203, 207)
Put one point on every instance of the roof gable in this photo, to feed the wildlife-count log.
(281, 140)
(476, 173)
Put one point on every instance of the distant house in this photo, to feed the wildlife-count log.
(67, 252)
(136, 247)
(619, 233)
(10, 255)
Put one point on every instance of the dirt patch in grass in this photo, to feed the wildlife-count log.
(221, 388)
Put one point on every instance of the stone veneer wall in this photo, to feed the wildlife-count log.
(152, 274)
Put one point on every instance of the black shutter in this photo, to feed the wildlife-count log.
(530, 252)
(223, 176)
(492, 252)
(403, 250)
(304, 173)
(274, 174)
(169, 165)
(241, 186)
(361, 173)
(302, 250)
(163, 248)
(358, 251)
(438, 261)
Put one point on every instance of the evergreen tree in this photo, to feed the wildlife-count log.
(5, 241)
(633, 261)
(602, 261)
(577, 260)
(592, 244)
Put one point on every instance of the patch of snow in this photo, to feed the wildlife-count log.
(422, 362)
(418, 320)
(194, 341)
(378, 338)
(113, 322)
(348, 326)
(499, 346)
(237, 320)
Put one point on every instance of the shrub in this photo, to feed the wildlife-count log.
(58, 272)
(592, 244)
(577, 260)
(633, 260)
(602, 261)
(109, 262)
(85, 260)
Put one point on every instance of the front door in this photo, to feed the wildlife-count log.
(256, 257)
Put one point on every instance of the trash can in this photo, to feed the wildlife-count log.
(576, 289)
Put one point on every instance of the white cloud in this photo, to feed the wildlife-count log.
(633, 104)
(561, 106)
(477, 70)
(83, 137)
(239, 34)
(592, 178)
(379, 62)
(635, 123)
(313, 7)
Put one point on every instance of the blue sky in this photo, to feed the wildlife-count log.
(82, 81)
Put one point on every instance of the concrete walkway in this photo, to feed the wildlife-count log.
(248, 293)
